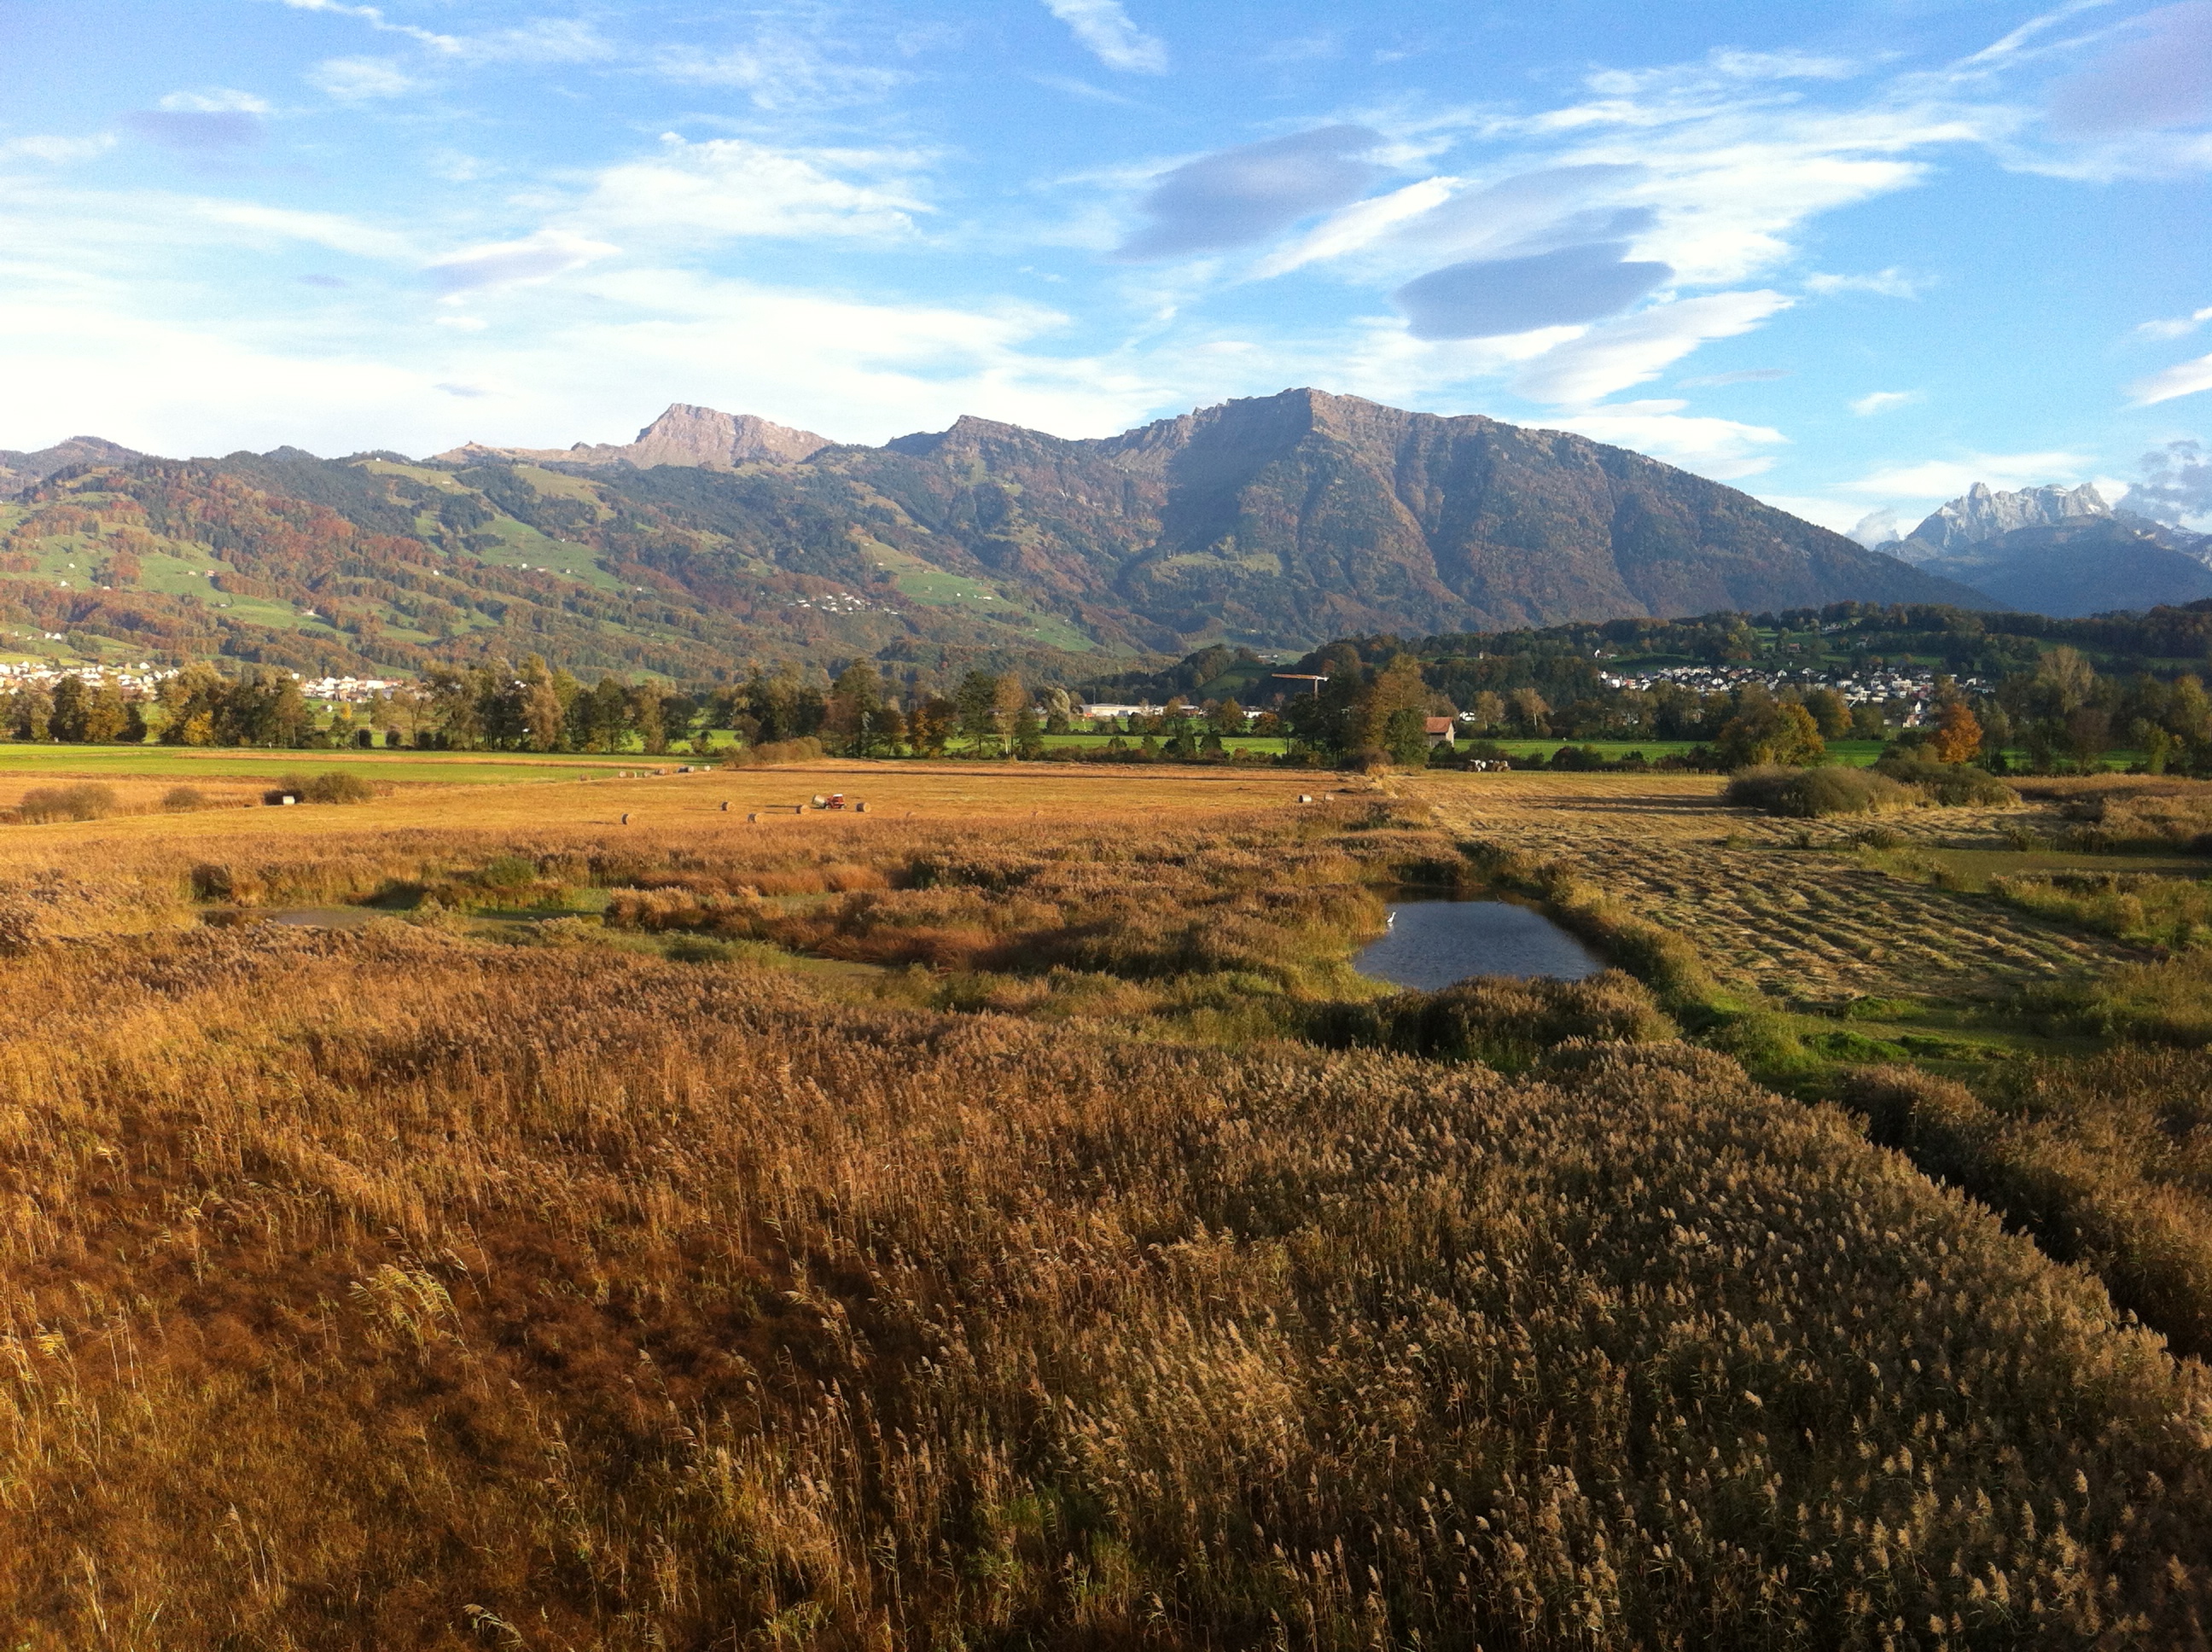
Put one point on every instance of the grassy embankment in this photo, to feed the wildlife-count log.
(403, 1288)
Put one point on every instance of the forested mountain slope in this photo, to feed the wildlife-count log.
(1277, 522)
(1305, 515)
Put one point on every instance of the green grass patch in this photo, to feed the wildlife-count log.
(451, 768)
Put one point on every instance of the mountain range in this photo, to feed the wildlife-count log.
(713, 541)
(2060, 551)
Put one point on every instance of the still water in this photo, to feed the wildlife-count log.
(1432, 943)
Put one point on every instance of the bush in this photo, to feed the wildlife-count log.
(1953, 785)
(335, 786)
(183, 799)
(1578, 760)
(1811, 793)
(1501, 1022)
(87, 801)
(774, 751)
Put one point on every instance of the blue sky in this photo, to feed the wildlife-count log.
(1851, 257)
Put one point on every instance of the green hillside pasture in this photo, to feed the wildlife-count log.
(935, 587)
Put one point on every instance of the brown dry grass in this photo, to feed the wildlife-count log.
(397, 1290)
(388, 1290)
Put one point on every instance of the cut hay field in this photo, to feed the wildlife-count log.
(1001, 1220)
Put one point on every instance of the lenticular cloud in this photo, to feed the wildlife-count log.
(1245, 195)
(1488, 298)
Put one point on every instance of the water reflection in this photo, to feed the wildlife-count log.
(1432, 943)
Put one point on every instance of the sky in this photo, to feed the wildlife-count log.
(1851, 257)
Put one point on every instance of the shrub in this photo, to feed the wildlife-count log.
(774, 751)
(2139, 907)
(338, 786)
(1502, 1023)
(183, 799)
(87, 801)
(1953, 785)
(1810, 793)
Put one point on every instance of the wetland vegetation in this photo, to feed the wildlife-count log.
(1004, 1218)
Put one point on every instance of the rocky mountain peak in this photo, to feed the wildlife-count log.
(683, 435)
(1980, 513)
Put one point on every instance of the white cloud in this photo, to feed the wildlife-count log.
(217, 100)
(781, 69)
(2184, 378)
(2177, 327)
(169, 387)
(2011, 45)
(547, 40)
(266, 224)
(1619, 354)
(729, 187)
(357, 79)
(1725, 67)
(1357, 226)
(1104, 29)
(1722, 448)
(1840, 515)
(1882, 401)
(1889, 283)
(1941, 479)
(541, 257)
(1877, 528)
(58, 151)
(374, 17)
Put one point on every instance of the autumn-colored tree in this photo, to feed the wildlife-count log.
(1958, 733)
(106, 715)
(932, 726)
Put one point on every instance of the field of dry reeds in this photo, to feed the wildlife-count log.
(400, 1287)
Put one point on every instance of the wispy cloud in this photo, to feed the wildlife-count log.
(1882, 401)
(782, 67)
(2184, 379)
(1888, 283)
(729, 188)
(57, 151)
(357, 80)
(1612, 357)
(2176, 327)
(374, 17)
(1742, 376)
(1722, 448)
(537, 258)
(1104, 29)
(541, 40)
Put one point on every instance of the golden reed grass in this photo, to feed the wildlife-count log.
(391, 1289)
